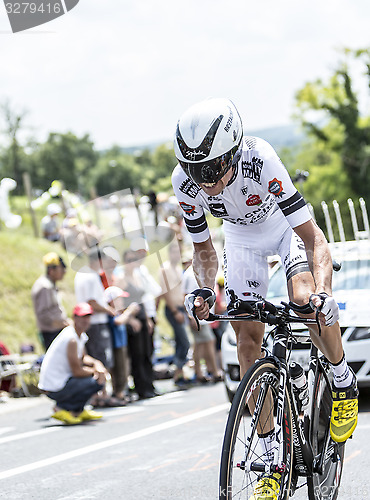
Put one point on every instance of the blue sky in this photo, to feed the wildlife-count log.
(124, 71)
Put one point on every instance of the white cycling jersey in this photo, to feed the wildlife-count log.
(259, 207)
(259, 187)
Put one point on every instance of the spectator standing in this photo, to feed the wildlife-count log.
(68, 375)
(170, 279)
(89, 288)
(148, 283)
(139, 339)
(49, 223)
(50, 315)
(204, 338)
(120, 371)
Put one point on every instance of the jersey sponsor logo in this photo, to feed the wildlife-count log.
(254, 216)
(218, 209)
(214, 198)
(253, 283)
(188, 209)
(244, 190)
(300, 243)
(276, 187)
(188, 187)
(252, 169)
(290, 261)
(253, 199)
(250, 142)
(261, 212)
(253, 294)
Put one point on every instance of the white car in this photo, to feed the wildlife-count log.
(351, 289)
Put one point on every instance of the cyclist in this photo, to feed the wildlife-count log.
(243, 181)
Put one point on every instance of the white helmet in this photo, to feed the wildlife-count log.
(208, 136)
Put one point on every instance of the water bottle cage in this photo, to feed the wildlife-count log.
(301, 396)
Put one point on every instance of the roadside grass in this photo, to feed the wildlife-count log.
(20, 265)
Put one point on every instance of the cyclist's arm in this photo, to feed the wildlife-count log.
(205, 265)
(318, 255)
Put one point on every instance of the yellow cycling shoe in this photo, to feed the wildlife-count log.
(344, 412)
(90, 415)
(66, 417)
(267, 488)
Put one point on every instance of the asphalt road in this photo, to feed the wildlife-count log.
(164, 448)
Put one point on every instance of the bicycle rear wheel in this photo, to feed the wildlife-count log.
(242, 459)
(324, 486)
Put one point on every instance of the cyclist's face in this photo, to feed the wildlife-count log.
(215, 189)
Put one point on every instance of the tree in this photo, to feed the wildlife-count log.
(115, 171)
(64, 157)
(331, 113)
(163, 163)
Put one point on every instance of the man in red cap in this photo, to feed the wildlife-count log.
(68, 375)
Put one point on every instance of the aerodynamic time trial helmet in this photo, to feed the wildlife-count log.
(208, 137)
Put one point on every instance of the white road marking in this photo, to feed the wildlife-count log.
(163, 399)
(24, 435)
(4, 430)
(114, 412)
(112, 442)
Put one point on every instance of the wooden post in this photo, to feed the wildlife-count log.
(28, 189)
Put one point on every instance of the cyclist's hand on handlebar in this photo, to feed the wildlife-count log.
(327, 307)
(199, 302)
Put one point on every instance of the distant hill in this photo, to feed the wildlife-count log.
(278, 137)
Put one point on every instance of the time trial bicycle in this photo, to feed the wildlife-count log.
(266, 399)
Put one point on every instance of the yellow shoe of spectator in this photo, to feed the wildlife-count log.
(89, 415)
(66, 417)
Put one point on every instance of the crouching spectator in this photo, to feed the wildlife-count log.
(68, 375)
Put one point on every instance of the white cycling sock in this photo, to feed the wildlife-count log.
(342, 375)
(268, 445)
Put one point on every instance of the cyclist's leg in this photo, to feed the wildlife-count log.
(249, 340)
(246, 272)
(300, 286)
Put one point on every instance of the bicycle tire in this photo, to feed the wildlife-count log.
(236, 482)
(324, 486)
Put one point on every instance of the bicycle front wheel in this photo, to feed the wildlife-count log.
(252, 414)
(324, 485)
